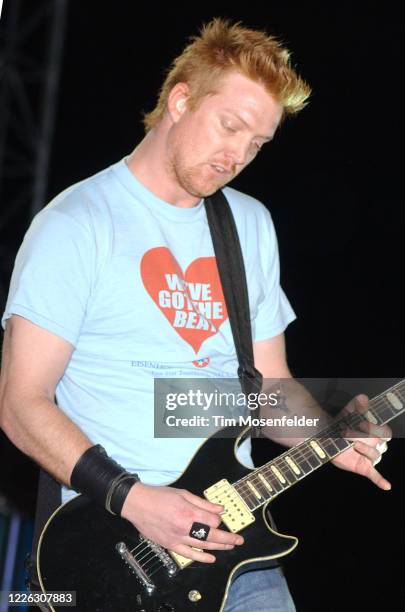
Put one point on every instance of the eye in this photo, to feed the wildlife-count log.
(228, 127)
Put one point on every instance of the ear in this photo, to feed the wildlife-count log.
(177, 101)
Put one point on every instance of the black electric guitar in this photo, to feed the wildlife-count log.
(113, 568)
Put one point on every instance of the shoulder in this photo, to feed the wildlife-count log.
(80, 201)
(81, 211)
(249, 213)
(240, 200)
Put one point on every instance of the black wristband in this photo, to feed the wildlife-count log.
(96, 475)
(119, 491)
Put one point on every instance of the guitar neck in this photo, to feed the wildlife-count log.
(278, 475)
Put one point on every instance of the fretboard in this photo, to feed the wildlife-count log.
(278, 475)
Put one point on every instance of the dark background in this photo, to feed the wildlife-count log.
(332, 179)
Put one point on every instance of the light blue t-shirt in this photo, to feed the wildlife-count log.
(131, 282)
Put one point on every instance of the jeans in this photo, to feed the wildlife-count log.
(260, 591)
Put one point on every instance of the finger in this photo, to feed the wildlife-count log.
(207, 545)
(220, 536)
(353, 435)
(386, 435)
(378, 479)
(194, 554)
(375, 434)
(376, 431)
(216, 538)
(202, 503)
(361, 403)
(366, 450)
(206, 518)
(358, 404)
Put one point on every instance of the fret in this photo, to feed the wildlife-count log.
(270, 477)
(341, 443)
(400, 391)
(248, 497)
(322, 454)
(300, 459)
(265, 484)
(385, 411)
(254, 490)
(287, 472)
(246, 494)
(284, 471)
(278, 474)
(262, 486)
(394, 401)
(329, 445)
(313, 458)
(294, 467)
(372, 417)
(353, 419)
(338, 428)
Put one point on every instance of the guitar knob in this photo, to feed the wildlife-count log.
(166, 608)
(194, 596)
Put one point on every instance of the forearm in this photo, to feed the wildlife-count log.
(43, 432)
(293, 400)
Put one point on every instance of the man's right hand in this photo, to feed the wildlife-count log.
(165, 515)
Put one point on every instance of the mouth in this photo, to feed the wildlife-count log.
(221, 170)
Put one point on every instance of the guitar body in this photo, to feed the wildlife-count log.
(77, 550)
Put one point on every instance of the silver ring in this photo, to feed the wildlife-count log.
(381, 447)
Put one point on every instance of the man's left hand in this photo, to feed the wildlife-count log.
(366, 451)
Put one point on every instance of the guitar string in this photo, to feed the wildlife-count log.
(302, 460)
(157, 563)
(149, 550)
(155, 560)
(355, 419)
(263, 494)
(154, 563)
(300, 455)
(306, 452)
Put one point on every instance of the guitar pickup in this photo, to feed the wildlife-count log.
(236, 514)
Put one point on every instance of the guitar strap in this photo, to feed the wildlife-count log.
(232, 273)
(231, 268)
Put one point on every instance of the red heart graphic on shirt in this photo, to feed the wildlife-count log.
(193, 301)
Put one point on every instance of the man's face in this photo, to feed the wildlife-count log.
(209, 146)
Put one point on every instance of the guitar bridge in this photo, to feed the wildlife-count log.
(135, 566)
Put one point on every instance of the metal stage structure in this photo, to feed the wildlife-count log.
(31, 45)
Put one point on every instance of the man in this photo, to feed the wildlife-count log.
(116, 284)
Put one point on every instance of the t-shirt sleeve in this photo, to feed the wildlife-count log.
(274, 312)
(52, 276)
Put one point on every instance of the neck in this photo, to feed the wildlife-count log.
(281, 473)
(149, 164)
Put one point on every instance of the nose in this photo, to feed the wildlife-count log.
(239, 151)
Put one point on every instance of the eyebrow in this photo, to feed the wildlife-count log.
(265, 138)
